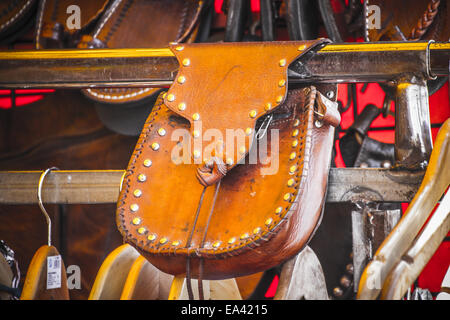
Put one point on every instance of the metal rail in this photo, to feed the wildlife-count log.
(84, 68)
(102, 186)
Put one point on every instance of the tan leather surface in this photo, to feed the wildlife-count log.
(140, 24)
(246, 226)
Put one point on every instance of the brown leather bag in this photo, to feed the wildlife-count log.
(194, 199)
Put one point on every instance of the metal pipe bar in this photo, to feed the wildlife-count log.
(88, 68)
(102, 186)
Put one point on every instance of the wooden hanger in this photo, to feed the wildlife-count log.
(146, 282)
(412, 263)
(37, 278)
(434, 184)
(212, 289)
(112, 275)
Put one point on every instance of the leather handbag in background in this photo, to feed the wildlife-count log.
(229, 174)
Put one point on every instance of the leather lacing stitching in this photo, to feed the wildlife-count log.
(18, 14)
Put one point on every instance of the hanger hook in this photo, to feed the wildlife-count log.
(41, 205)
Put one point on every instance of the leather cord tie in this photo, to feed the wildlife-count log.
(211, 172)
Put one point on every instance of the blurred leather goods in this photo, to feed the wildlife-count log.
(127, 24)
(245, 222)
(15, 18)
(403, 20)
(123, 24)
(9, 273)
(56, 29)
(393, 248)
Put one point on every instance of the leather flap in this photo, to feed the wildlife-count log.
(222, 89)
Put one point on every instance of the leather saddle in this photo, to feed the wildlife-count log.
(229, 174)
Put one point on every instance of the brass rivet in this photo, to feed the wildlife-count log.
(268, 222)
(196, 154)
(281, 83)
(142, 177)
(136, 221)
(242, 150)
(282, 62)
(296, 122)
(186, 62)
(181, 79)
(175, 243)
(301, 48)
(244, 236)
(182, 106)
(196, 133)
(141, 230)
(195, 116)
(253, 113)
(279, 99)
(256, 230)
(179, 48)
(248, 131)
(294, 143)
(292, 156)
(278, 210)
(292, 169)
(216, 244)
(151, 237)
(162, 132)
(229, 161)
(287, 196)
(137, 193)
(134, 207)
(170, 97)
(232, 240)
(268, 106)
(291, 182)
(155, 146)
(295, 133)
(147, 163)
(163, 240)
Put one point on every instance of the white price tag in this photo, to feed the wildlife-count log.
(53, 272)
